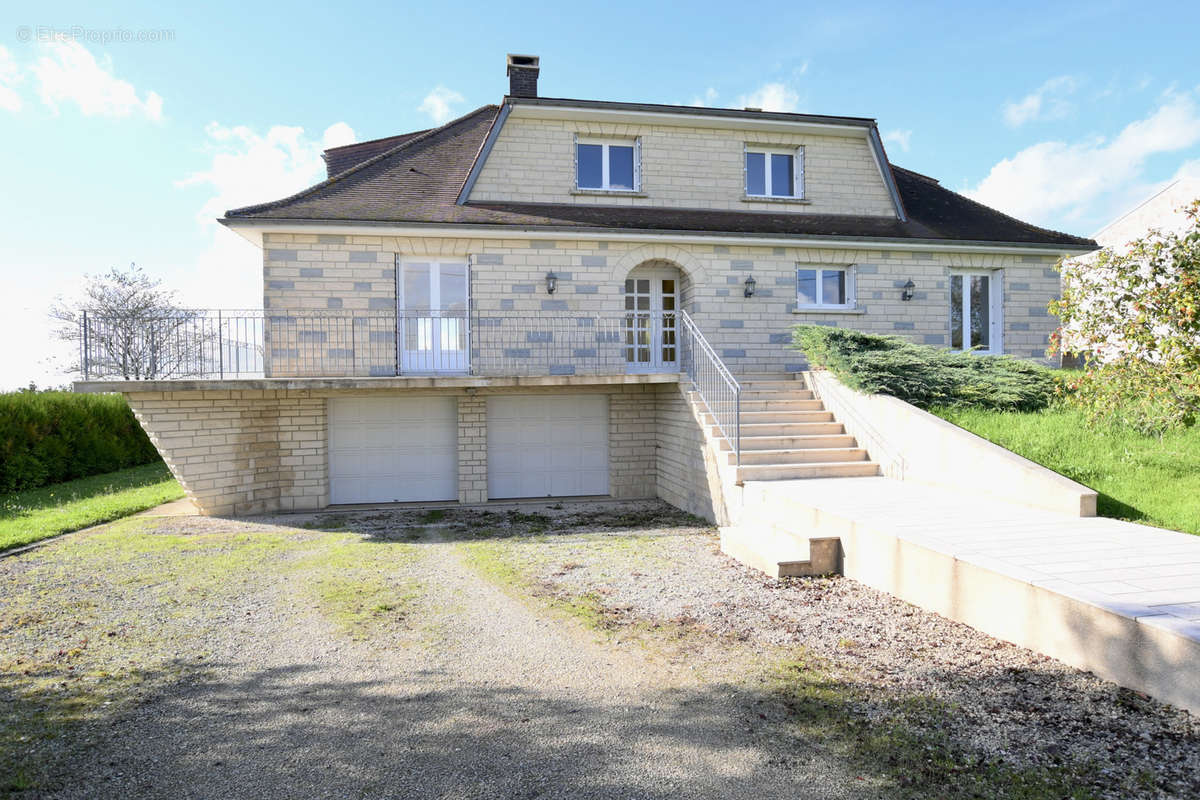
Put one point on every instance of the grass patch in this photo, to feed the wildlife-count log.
(1139, 478)
(36, 514)
(904, 740)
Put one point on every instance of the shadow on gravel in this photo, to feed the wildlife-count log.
(278, 735)
(473, 524)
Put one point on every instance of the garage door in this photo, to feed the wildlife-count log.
(393, 449)
(547, 446)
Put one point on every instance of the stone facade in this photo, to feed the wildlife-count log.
(533, 161)
(750, 334)
(253, 452)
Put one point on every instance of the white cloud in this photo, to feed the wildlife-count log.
(248, 167)
(439, 104)
(707, 99)
(902, 138)
(771, 97)
(1048, 101)
(67, 72)
(10, 76)
(1075, 179)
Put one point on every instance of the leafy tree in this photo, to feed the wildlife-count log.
(1135, 315)
(126, 325)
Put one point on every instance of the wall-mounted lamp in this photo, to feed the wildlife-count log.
(750, 284)
(551, 282)
(907, 294)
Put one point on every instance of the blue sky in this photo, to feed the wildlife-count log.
(123, 149)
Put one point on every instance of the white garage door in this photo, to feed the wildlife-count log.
(393, 449)
(547, 446)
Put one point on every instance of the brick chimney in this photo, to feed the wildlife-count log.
(522, 75)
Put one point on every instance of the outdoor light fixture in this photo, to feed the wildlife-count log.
(907, 294)
(750, 284)
(551, 282)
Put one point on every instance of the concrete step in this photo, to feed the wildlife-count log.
(792, 442)
(785, 429)
(758, 417)
(787, 472)
(810, 455)
(798, 393)
(781, 554)
(771, 384)
(782, 405)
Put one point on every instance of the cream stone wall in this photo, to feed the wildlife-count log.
(254, 452)
(241, 452)
(533, 161)
(750, 334)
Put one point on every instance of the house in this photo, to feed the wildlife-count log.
(555, 297)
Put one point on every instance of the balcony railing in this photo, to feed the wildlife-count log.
(212, 344)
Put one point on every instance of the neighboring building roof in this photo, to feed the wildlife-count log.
(340, 159)
(1161, 211)
(417, 180)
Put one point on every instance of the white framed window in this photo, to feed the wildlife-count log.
(608, 165)
(823, 287)
(774, 172)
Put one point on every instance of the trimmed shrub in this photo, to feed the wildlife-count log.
(51, 437)
(926, 376)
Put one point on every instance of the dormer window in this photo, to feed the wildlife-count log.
(773, 172)
(607, 165)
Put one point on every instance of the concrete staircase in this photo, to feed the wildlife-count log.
(787, 434)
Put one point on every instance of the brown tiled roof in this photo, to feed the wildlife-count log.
(340, 159)
(417, 180)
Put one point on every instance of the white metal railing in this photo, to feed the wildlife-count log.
(711, 379)
(293, 343)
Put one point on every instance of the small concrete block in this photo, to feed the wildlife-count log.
(363, 257)
(593, 261)
(562, 369)
(938, 339)
(587, 288)
(281, 255)
(313, 336)
(340, 352)
(491, 259)
(333, 302)
(362, 286)
(516, 352)
(330, 238)
(733, 353)
(539, 336)
(780, 338)
(584, 352)
(722, 293)
(522, 288)
(542, 244)
(554, 305)
(281, 284)
(732, 323)
(1018, 286)
(506, 305)
(381, 370)
(867, 269)
(311, 272)
(380, 303)
(903, 326)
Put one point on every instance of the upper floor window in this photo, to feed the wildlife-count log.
(774, 172)
(824, 287)
(607, 165)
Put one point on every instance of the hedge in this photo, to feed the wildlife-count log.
(926, 376)
(51, 437)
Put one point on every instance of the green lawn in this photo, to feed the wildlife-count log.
(1139, 478)
(39, 513)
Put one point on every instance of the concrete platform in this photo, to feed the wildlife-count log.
(1116, 598)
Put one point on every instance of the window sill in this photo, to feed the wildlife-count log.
(609, 192)
(795, 201)
(828, 310)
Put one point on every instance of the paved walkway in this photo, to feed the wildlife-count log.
(1136, 571)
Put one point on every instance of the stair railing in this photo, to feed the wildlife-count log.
(719, 391)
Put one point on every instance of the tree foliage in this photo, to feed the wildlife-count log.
(126, 325)
(924, 375)
(1135, 315)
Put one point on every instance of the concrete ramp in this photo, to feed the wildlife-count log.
(1119, 599)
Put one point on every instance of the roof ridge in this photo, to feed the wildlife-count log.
(1009, 217)
(377, 139)
(359, 166)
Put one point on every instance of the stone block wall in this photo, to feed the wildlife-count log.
(533, 161)
(241, 452)
(750, 334)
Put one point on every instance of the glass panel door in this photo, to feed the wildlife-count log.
(650, 343)
(974, 317)
(432, 317)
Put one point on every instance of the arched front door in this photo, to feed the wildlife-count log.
(651, 303)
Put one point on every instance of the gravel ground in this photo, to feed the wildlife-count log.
(248, 688)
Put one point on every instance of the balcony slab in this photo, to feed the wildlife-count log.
(379, 383)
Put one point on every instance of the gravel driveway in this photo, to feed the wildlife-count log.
(604, 650)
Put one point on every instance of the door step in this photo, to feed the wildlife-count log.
(823, 455)
(794, 442)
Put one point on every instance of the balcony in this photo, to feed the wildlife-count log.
(239, 344)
